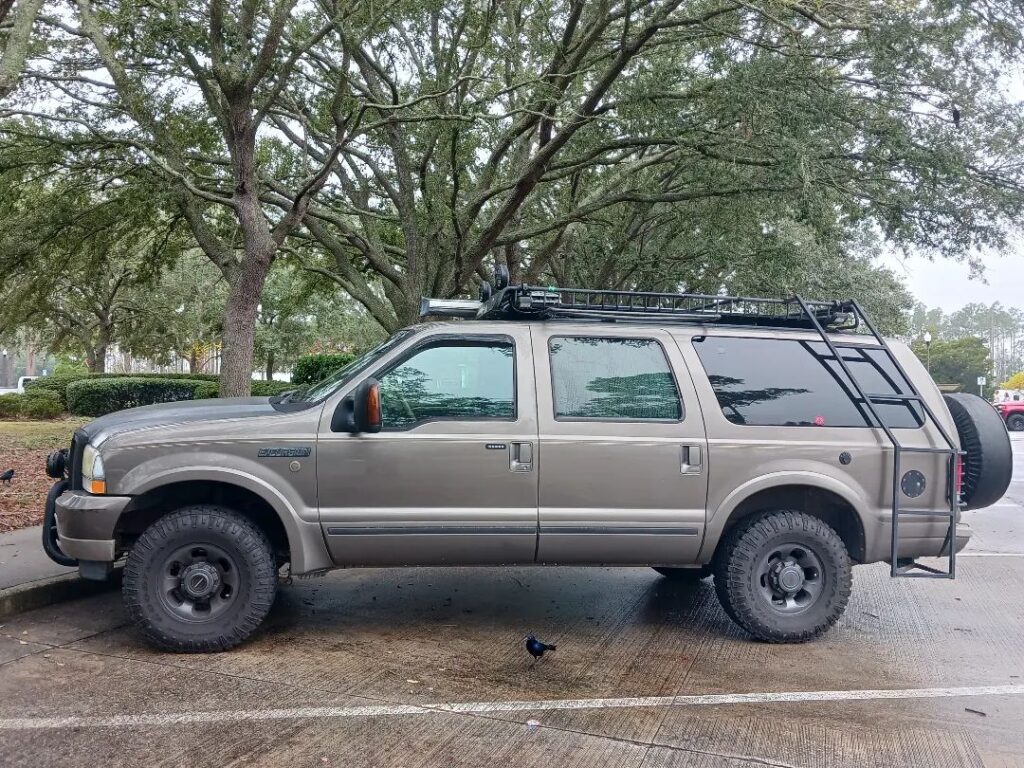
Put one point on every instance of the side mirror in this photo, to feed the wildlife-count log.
(368, 415)
(360, 411)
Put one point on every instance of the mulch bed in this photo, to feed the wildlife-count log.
(21, 502)
(23, 448)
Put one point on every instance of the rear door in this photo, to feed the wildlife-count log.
(451, 478)
(623, 456)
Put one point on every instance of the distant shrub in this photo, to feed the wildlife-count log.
(97, 396)
(205, 390)
(271, 388)
(313, 368)
(59, 383)
(208, 389)
(31, 405)
(41, 405)
(10, 405)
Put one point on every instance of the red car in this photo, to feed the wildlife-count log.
(1012, 412)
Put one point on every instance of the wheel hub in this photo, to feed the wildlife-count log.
(788, 577)
(200, 581)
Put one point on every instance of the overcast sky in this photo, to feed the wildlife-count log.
(947, 284)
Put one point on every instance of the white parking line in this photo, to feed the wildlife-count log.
(487, 707)
(990, 554)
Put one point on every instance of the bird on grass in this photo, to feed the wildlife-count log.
(536, 648)
(7, 476)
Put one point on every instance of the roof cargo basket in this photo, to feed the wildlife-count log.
(530, 302)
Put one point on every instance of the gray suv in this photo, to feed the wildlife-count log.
(771, 444)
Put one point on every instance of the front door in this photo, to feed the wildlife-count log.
(452, 476)
(624, 471)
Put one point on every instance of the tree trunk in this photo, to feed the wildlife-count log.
(270, 365)
(96, 359)
(193, 361)
(240, 327)
(19, 39)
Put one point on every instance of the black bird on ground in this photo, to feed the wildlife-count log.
(7, 476)
(536, 648)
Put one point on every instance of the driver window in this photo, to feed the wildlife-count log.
(461, 380)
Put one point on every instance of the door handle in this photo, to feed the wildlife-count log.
(692, 460)
(521, 457)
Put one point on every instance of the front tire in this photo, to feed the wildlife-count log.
(198, 580)
(783, 576)
(1015, 423)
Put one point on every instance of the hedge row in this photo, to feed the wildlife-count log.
(313, 368)
(99, 396)
(209, 389)
(96, 397)
(60, 384)
(31, 405)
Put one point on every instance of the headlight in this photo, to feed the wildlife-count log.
(93, 478)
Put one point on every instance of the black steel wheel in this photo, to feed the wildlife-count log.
(200, 579)
(784, 576)
(1016, 422)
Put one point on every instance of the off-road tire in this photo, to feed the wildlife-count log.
(1016, 422)
(743, 551)
(684, 574)
(198, 525)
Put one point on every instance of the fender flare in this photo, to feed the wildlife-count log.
(297, 543)
(718, 519)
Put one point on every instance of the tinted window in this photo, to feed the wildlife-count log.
(778, 382)
(611, 379)
(463, 381)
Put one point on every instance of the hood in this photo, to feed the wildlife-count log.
(183, 412)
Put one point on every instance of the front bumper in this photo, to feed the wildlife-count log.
(86, 524)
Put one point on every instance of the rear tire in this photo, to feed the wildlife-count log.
(684, 574)
(200, 579)
(783, 576)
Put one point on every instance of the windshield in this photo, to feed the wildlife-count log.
(322, 389)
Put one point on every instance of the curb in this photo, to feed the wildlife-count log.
(56, 589)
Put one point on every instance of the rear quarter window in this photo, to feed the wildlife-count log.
(788, 382)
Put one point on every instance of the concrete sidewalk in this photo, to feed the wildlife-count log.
(22, 559)
(29, 579)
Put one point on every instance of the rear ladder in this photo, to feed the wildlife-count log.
(900, 567)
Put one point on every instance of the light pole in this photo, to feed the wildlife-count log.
(928, 350)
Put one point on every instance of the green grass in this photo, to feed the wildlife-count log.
(39, 435)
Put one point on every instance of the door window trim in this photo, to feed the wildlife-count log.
(452, 340)
(623, 419)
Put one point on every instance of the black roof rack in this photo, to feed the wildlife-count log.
(527, 302)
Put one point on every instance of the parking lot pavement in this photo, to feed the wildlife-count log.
(427, 668)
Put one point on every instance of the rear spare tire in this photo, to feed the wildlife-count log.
(988, 463)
